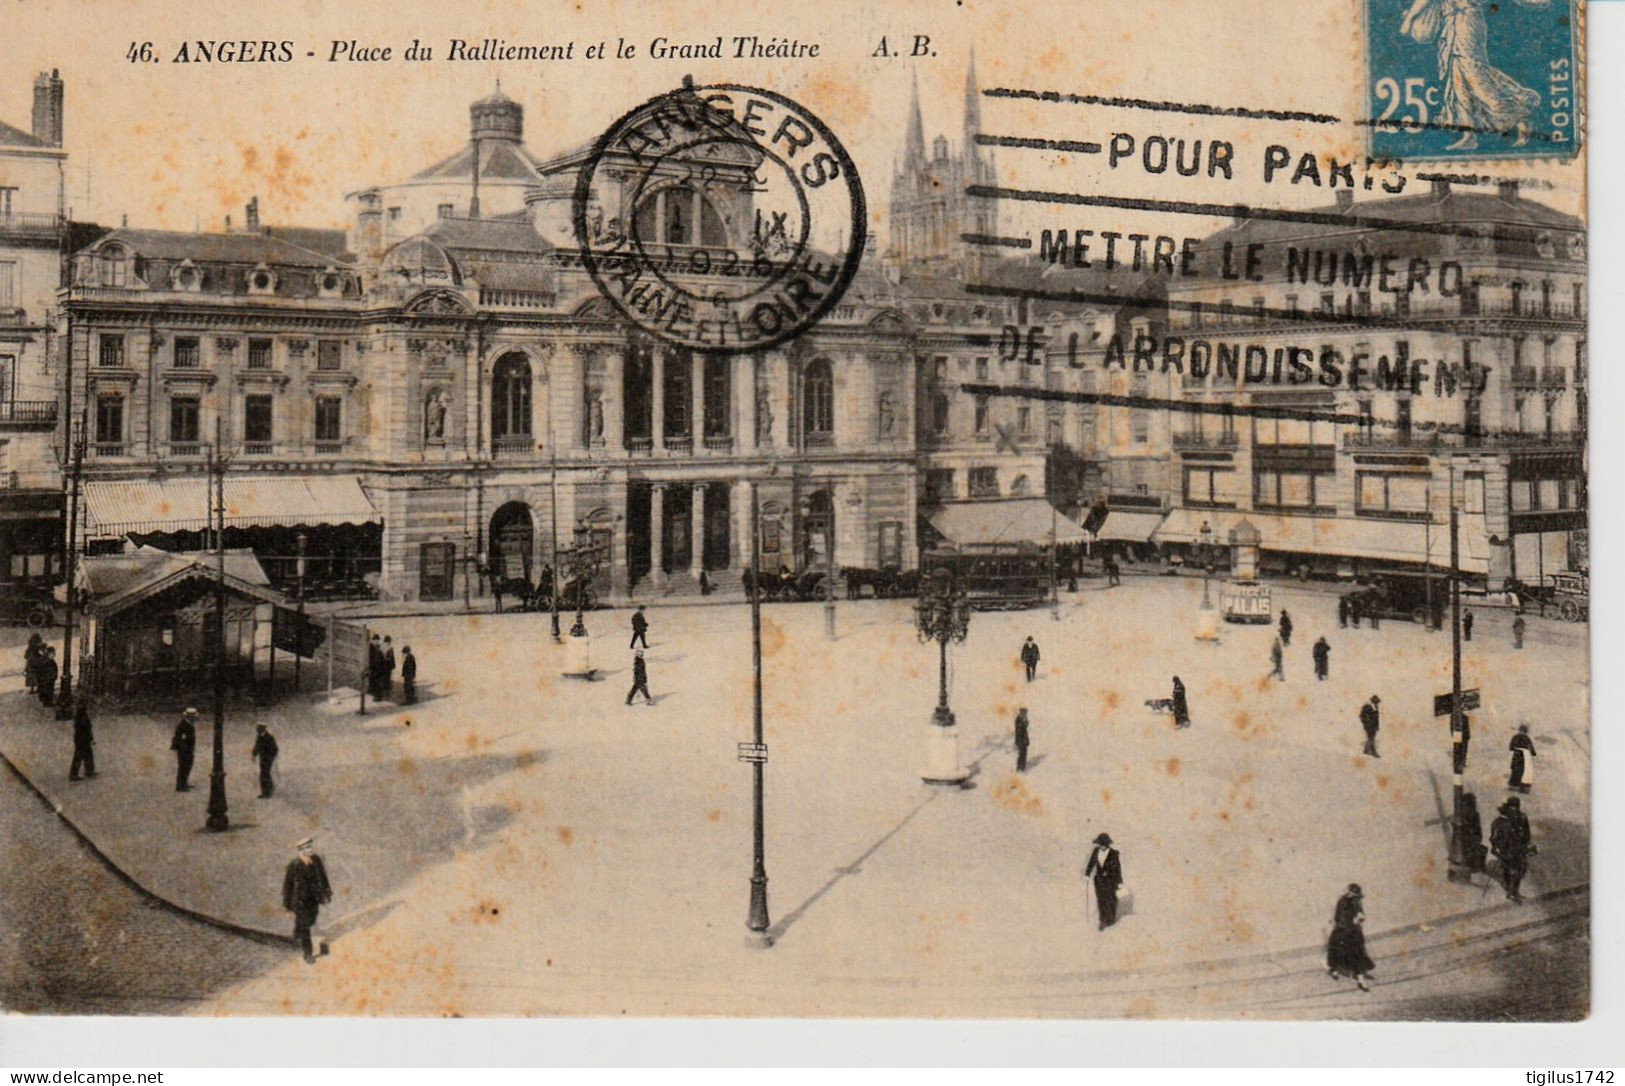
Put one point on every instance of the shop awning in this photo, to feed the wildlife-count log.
(110, 509)
(1129, 526)
(1343, 537)
(1005, 520)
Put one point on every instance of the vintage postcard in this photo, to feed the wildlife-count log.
(954, 509)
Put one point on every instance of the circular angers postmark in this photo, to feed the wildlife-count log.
(721, 218)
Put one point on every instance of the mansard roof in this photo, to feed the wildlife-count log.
(250, 249)
(1447, 205)
(506, 233)
(500, 160)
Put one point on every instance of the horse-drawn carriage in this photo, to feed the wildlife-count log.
(881, 583)
(787, 586)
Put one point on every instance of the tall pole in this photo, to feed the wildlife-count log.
(218, 822)
(299, 653)
(553, 515)
(1054, 574)
(1427, 565)
(1458, 870)
(64, 697)
(829, 567)
(758, 921)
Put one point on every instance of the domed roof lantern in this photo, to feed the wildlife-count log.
(497, 117)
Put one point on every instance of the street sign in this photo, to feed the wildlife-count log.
(1441, 702)
(753, 752)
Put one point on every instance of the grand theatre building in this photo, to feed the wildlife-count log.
(443, 388)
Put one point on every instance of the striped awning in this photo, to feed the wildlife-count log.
(1350, 537)
(112, 509)
(1005, 520)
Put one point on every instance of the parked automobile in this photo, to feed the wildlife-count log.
(33, 607)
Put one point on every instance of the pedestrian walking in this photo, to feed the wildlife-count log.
(640, 629)
(1029, 657)
(184, 744)
(47, 676)
(1023, 738)
(640, 680)
(1114, 572)
(1105, 866)
(1375, 615)
(1522, 773)
(1345, 948)
(1370, 721)
(305, 890)
(1343, 612)
(1286, 627)
(1510, 841)
(1323, 658)
(1182, 709)
(84, 741)
(1466, 624)
(496, 591)
(386, 684)
(375, 667)
(1472, 834)
(1355, 610)
(409, 676)
(1277, 661)
(31, 659)
(1517, 631)
(265, 752)
(1461, 733)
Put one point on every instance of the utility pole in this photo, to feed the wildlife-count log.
(829, 568)
(1458, 870)
(299, 653)
(1054, 574)
(758, 920)
(553, 514)
(218, 822)
(64, 697)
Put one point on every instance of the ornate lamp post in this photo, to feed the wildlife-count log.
(1207, 619)
(942, 614)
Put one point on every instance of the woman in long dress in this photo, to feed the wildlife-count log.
(1182, 709)
(1475, 95)
(1345, 949)
(1522, 773)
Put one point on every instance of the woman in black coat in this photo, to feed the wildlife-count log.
(1472, 833)
(1522, 773)
(1345, 949)
(1182, 710)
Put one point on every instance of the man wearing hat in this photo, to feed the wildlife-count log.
(305, 890)
(640, 680)
(1371, 720)
(265, 752)
(1029, 657)
(1510, 841)
(184, 745)
(1107, 870)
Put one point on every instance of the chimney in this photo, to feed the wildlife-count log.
(1508, 190)
(1441, 188)
(251, 215)
(48, 108)
(1345, 199)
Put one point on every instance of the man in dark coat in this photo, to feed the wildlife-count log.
(1343, 611)
(1518, 627)
(1472, 833)
(1345, 949)
(305, 890)
(1371, 720)
(1521, 775)
(1286, 627)
(1355, 610)
(1466, 624)
(47, 676)
(640, 629)
(1459, 738)
(1323, 659)
(84, 741)
(185, 746)
(31, 659)
(386, 682)
(1510, 841)
(375, 667)
(1277, 658)
(1182, 709)
(409, 676)
(1022, 739)
(1114, 573)
(265, 752)
(1106, 868)
(1029, 657)
(640, 680)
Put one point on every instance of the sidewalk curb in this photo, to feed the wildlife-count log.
(258, 935)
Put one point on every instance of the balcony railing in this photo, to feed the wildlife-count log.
(107, 448)
(29, 412)
(719, 442)
(1439, 439)
(258, 448)
(9, 480)
(1205, 441)
(1524, 376)
(639, 444)
(34, 222)
(329, 448)
(681, 443)
(1554, 377)
(513, 445)
(186, 448)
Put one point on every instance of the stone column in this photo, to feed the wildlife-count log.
(696, 419)
(614, 397)
(657, 399)
(743, 394)
(739, 536)
(696, 560)
(657, 535)
(778, 384)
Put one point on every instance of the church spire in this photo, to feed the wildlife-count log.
(973, 105)
(915, 154)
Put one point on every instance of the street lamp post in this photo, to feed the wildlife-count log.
(942, 614)
(758, 919)
(1054, 573)
(64, 698)
(1207, 619)
(553, 514)
(218, 822)
(1459, 869)
(299, 580)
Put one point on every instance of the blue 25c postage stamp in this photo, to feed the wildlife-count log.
(1472, 79)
